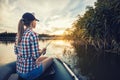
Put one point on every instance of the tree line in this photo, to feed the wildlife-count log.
(99, 26)
(5, 34)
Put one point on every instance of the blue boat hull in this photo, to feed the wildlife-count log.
(59, 71)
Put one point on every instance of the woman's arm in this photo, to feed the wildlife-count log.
(34, 46)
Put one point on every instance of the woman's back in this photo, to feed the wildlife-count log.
(28, 52)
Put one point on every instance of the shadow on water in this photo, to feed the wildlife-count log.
(7, 41)
(97, 65)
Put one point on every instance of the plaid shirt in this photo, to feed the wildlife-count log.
(27, 52)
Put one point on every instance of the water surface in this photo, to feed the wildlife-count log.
(85, 61)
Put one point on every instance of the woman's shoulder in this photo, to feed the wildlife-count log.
(33, 33)
(33, 36)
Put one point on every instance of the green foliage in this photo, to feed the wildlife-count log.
(100, 25)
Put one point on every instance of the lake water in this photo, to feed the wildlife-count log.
(57, 48)
(86, 62)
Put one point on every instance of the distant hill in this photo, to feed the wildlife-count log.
(5, 34)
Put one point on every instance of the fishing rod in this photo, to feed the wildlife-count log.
(46, 47)
(48, 44)
(43, 53)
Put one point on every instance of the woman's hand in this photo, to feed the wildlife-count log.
(37, 61)
(43, 51)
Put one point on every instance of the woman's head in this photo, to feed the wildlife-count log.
(28, 20)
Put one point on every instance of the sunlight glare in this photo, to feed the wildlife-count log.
(60, 32)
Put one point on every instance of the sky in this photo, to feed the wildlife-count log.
(55, 15)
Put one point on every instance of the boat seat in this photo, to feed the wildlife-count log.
(13, 76)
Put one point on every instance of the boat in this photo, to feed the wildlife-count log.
(59, 70)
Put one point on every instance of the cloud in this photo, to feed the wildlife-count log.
(51, 13)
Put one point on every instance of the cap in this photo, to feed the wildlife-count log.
(28, 17)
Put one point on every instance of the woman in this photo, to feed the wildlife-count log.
(29, 64)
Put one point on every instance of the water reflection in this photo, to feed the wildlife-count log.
(97, 65)
(6, 42)
(7, 53)
(84, 60)
(58, 48)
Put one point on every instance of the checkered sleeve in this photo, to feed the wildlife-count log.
(34, 45)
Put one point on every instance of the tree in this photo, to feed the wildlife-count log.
(100, 25)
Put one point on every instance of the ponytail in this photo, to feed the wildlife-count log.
(20, 30)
